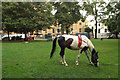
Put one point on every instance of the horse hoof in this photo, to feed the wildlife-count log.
(62, 63)
(66, 64)
(77, 64)
(90, 64)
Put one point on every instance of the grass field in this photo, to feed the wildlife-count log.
(20, 60)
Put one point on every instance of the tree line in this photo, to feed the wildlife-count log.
(24, 17)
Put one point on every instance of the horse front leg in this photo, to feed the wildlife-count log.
(61, 61)
(63, 56)
(65, 61)
(78, 57)
(87, 56)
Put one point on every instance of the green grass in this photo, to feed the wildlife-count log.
(20, 60)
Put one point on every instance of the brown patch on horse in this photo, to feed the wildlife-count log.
(68, 42)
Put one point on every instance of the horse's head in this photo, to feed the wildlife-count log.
(94, 58)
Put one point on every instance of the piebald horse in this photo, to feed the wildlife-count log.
(80, 42)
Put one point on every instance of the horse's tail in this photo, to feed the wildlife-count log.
(53, 47)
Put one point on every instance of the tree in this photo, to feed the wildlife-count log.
(113, 26)
(8, 16)
(45, 17)
(88, 30)
(92, 9)
(0, 16)
(25, 17)
(67, 13)
(112, 17)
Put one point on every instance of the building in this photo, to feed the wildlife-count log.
(75, 28)
(79, 27)
(102, 30)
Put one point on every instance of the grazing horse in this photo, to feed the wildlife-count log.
(80, 42)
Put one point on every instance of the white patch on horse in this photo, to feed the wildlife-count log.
(85, 42)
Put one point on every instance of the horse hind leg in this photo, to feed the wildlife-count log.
(87, 56)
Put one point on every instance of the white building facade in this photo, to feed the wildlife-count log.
(102, 30)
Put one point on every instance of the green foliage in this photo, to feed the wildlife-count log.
(91, 8)
(67, 13)
(7, 15)
(26, 16)
(113, 20)
(87, 29)
(0, 16)
(45, 17)
(83, 19)
(18, 16)
(114, 26)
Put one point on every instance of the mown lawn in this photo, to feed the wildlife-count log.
(20, 60)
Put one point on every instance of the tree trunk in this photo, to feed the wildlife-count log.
(67, 31)
(116, 34)
(92, 34)
(8, 36)
(62, 30)
(96, 22)
(96, 30)
(25, 36)
(88, 35)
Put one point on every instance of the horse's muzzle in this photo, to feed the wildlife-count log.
(96, 65)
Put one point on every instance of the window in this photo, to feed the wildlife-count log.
(99, 24)
(80, 23)
(58, 30)
(105, 30)
(105, 24)
(79, 29)
(46, 31)
(98, 30)
(53, 30)
(40, 31)
(85, 23)
(71, 29)
(92, 28)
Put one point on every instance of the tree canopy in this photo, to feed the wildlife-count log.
(45, 17)
(67, 13)
(111, 17)
(93, 8)
(26, 16)
(88, 30)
